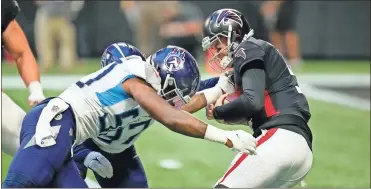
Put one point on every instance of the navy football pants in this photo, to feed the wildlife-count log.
(34, 166)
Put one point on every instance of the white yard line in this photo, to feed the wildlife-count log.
(336, 80)
(335, 97)
(308, 82)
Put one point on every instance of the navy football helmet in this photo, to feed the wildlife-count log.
(225, 28)
(180, 77)
(116, 51)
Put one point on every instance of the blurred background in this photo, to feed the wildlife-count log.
(326, 42)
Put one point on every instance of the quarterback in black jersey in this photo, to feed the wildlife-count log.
(14, 41)
(270, 97)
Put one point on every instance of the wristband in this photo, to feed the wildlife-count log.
(215, 134)
(35, 87)
(212, 94)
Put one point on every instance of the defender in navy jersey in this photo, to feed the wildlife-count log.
(269, 96)
(112, 106)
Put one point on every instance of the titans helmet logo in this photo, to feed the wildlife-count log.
(228, 15)
(175, 59)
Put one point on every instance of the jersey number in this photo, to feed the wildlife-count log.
(98, 77)
(117, 130)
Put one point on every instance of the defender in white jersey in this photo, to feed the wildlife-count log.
(105, 156)
(106, 101)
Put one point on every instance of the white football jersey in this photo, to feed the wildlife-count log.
(104, 111)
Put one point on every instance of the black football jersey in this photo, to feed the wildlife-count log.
(9, 10)
(284, 104)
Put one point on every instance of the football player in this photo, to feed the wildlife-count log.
(15, 42)
(270, 97)
(116, 164)
(114, 104)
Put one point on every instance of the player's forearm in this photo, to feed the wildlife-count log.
(186, 124)
(27, 67)
(196, 103)
(251, 100)
(202, 99)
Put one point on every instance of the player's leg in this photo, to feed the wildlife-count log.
(68, 177)
(12, 116)
(34, 166)
(67, 38)
(128, 171)
(282, 156)
(287, 28)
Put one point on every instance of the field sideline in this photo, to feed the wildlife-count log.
(341, 146)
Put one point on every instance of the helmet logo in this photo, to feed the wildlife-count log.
(228, 15)
(175, 59)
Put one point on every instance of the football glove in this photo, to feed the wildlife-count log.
(242, 141)
(226, 82)
(99, 164)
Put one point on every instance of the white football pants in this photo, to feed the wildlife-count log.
(283, 159)
(11, 122)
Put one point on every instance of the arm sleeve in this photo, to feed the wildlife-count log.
(208, 83)
(80, 152)
(251, 100)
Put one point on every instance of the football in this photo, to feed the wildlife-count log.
(229, 98)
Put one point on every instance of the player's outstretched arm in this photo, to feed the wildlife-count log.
(210, 94)
(16, 44)
(163, 112)
(182, 122)
(199, 100)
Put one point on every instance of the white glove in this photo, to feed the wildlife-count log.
(99, 164)
(226, 83)
(36, 93)
(242, 141)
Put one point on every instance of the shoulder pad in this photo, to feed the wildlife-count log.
(247, 52)
(145, 71)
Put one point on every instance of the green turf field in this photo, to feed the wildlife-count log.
(341, 143)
